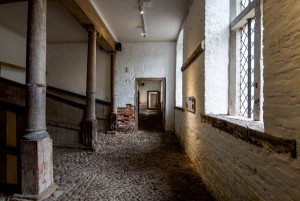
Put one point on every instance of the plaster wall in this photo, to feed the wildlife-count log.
(12, 51)
(231, 168)
(12, 47)
(67, 66)
(13, 74)
(146, 60)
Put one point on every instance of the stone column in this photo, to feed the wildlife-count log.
(90, 124)
(36, 145)
(113, 118)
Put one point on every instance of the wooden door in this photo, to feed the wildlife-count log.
(11, 128)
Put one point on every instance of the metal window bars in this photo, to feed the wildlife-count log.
(245, 3)
(247, 69)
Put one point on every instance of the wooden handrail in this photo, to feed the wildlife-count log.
(51, 92)
(49, 87)
(76, 95)
(5, 64)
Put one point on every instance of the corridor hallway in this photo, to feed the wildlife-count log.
(151, 121)
(142, 166)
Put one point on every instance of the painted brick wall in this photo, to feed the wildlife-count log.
(231, 168)
(216, 56)
(193, 34)
(282, 68)
(146, 60)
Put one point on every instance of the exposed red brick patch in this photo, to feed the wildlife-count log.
(126, 119)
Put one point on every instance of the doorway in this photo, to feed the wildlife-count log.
(153, 100)
(150, 102)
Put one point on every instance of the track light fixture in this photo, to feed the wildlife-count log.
(144, 33)
(141, 9)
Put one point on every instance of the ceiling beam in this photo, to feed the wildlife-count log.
(86, 15)
(10, 1)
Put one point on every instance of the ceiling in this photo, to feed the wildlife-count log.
(163, 20)
(61, 26)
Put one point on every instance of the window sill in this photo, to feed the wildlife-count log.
(251, 132)
(179, 108)
(242, 121)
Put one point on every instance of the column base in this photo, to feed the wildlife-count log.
(45, 194)
(90, 130)
(113, 122)
(36, 169)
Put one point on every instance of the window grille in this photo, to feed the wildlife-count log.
(245, 3)
(247, 69)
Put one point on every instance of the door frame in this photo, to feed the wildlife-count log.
(162, 107)
(158, 100)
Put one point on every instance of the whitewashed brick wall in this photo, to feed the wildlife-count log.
(231, 168)
(147, 60)
(282, 68)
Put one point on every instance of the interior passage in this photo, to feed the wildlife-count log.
(133, 166)
(151, 121)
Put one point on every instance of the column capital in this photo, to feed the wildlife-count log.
(92, 30)
(112, 53)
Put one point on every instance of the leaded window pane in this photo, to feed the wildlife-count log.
(247, 69)
(245, 3)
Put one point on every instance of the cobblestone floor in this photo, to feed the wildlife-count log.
(143, 166)
(147, 166)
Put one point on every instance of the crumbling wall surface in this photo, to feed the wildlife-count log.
(126, 119)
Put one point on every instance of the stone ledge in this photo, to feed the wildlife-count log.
(251, 133)
(179, 108)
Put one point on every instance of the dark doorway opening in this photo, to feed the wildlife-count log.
(150, 102)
